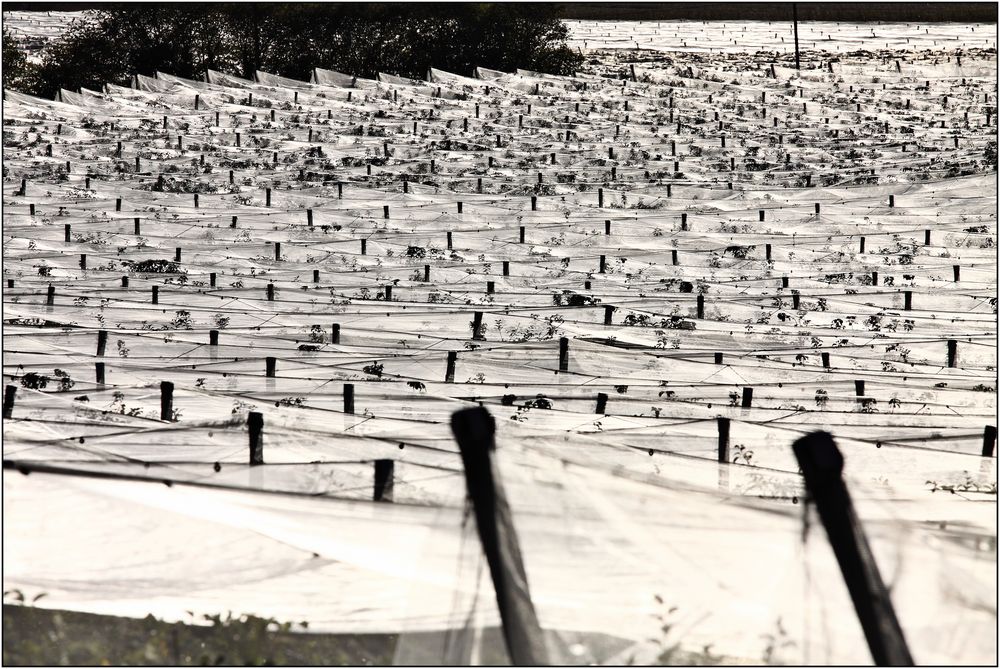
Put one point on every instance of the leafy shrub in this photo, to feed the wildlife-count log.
(289, 39)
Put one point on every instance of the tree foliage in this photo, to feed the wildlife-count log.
(18, 73)
(117, 41)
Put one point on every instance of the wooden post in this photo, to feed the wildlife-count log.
(277, 251)
(718, 358)
(825, 357)
(701, 305)
(747, 398)
(989, 433)
(608, 310)
(602, 264)
(859, 389)
(927, 237)
(50, 296)
(952, 352)
(102, 342)
(267, 196)
(477, 325)
(124, 282)
(874, 278)
(449, 374)
(83, 261)
(364, 247)
(255, 427)
(211, 279)
(177, 254)
(489, 287)
(600, 197)
(602, 403)
(155, 295)
(309, 217)
(213, 337)
(822, 467)
(270, 292)
(907, 300)
(9, 393)
(335, 333)
(723, 423)
(99, 372)
(956, 271)
(166, 400)
(349, 398)
(385, 211)
(892, 200)
(449, 240)
(269, 364)
(388, 293)
(383, 481)
(66, 232)
(861, 249)
(474, 431)
(521, 237)
(563, 354)
(427, 273)
(534, 203)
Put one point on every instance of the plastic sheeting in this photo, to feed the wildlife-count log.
(537, 212)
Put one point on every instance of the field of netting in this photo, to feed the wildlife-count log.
(608, 263)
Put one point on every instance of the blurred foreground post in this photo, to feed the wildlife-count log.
(474, 430)
(822, 467)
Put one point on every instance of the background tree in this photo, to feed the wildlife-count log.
(18, 73)
(117, 41)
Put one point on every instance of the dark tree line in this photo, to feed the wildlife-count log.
(120, 40)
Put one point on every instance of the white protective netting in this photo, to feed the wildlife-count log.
(405, 208)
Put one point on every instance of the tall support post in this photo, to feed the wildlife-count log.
(822, 467)
(795, 25)
(474, 431)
